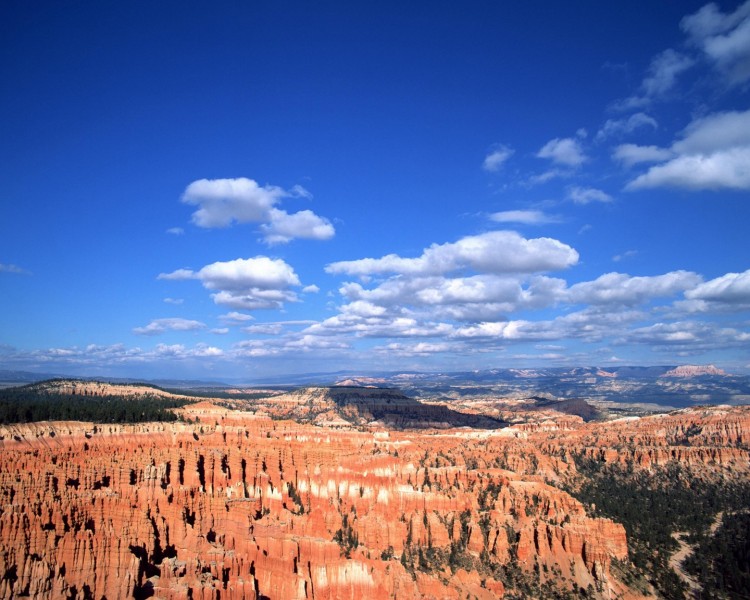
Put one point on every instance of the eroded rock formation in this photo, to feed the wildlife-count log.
(236, 505)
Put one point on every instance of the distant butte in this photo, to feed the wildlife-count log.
(694, 371)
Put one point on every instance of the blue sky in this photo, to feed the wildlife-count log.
(235, 190)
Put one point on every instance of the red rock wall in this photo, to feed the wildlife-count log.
(239, 506)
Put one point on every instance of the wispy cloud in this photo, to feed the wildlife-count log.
(159, 326)
(497, 158)
(10, 268)
(723, 37)
(582, 195)
(526, 217)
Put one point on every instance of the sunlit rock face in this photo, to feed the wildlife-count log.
(236, 505)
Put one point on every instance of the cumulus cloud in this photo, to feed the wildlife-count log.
(297, 344)
(723, 37)
(690, 336)
(713, 153)
(304, 224)
(622, 289)
(565, 151)
(581, 195)
(159, 326)
(492, 252)
(176, 301)
(526, 217)
(728, 169)
(732, 288)
(418, 349)
(242, 273)
(495, 159)
(245, 283)
(223, 202)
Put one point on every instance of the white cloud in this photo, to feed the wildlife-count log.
(495, 159)
(622, 289)
(253, 298)
(418, 349)
(176, 231)
(220, 330)
(565, 151)
(728, 169)
(581, 195)
(264, 329)
(732, 288)
(479, 297)
(527, 217)
(692, 336)
(715, 132)
(235, 318)
(223, 202)
(159, 326)
(631, 154)
(311, 289)
(242, 273)
(298, 344)
(492, 252)
(724, 37)
(506, 330)
(304, 224)
(245, 283)
(176, 301)
(714, 153)
(617, 127)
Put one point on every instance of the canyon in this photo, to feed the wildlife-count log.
(347, 493)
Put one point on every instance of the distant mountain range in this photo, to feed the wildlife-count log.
(666, 386)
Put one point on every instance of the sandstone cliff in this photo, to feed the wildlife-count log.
(236, 505)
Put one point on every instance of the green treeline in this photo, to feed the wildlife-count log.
(727, 574)
(653, 506)
(28, 404)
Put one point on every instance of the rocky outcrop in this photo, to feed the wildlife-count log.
(238, 505)
(345, 406)
(241, 506)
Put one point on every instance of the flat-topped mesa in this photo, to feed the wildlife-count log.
(694, 371)
(82, 387)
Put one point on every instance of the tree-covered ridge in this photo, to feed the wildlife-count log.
(654, 506)
(66, 400)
